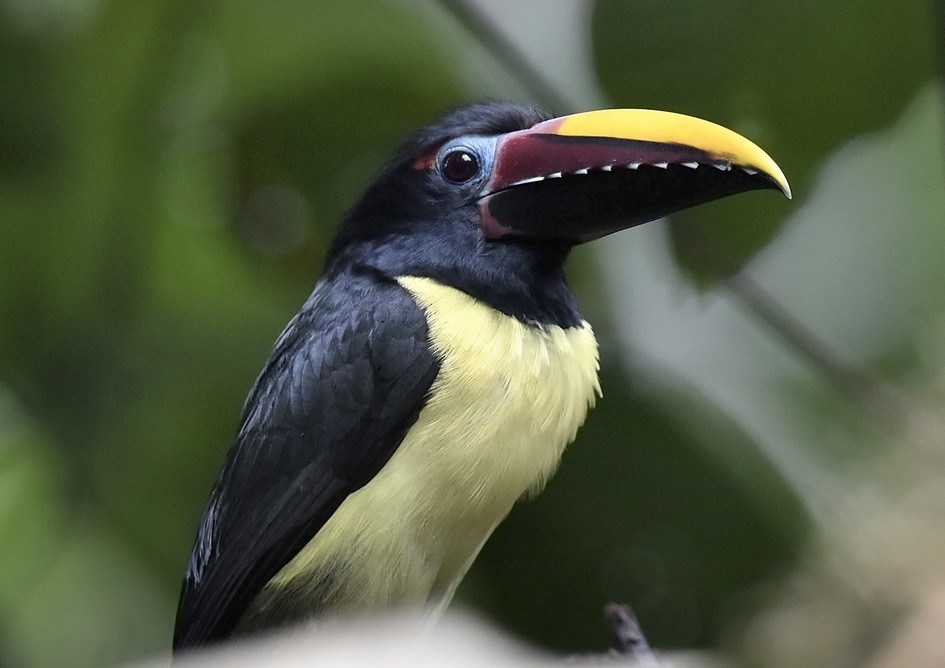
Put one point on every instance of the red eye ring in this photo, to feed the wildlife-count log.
(459, 165)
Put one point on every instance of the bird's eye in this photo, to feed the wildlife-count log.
(459, 165)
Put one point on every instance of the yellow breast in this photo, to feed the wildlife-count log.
(509, 396)
(507, 400)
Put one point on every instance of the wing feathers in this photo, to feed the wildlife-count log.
(344, 383)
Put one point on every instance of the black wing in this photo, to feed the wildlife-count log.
(344, 383)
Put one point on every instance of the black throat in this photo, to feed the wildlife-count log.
(524, 281)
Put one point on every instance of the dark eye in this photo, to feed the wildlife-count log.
(459, 165)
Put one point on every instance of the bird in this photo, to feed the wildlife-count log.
(439, 367)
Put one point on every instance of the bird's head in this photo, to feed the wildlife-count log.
(491, 197)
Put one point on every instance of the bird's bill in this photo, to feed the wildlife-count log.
(583, 176)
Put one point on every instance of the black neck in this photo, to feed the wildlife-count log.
(520, 280)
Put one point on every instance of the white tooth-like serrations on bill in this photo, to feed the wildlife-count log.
(721, 166)
(534, 179)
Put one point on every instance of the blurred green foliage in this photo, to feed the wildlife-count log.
(170, 175)
(798, 77)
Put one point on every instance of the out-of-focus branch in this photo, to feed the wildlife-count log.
(629, 635)
(459, 641)
(474, 21)
(856, 384)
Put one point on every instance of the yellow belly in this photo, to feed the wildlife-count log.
(507, 400)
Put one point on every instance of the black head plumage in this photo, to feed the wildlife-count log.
(412, 221)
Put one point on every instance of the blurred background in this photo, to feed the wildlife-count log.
(765, 475)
